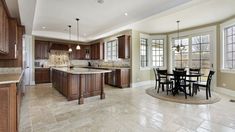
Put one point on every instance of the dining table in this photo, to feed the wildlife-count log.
(189, 75)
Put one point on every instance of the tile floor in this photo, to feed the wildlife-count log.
(123, 110)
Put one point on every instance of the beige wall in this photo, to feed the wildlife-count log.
(225, 80)
(138, 75)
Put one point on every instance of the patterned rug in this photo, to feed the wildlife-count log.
(200, 98)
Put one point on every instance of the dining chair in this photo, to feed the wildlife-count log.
(207, 85)
(156, 77)
(180, 69)
(193, 79)
(163, 80)
(180, 82)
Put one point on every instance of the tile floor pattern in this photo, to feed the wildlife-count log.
(123, 110)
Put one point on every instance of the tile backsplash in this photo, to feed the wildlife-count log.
(10, 70)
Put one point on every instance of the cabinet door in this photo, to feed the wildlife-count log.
(124, 47)
(41, 49)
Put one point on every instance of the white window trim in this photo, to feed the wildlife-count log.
(105, 51)
(222, 27)
(164, 37)
(145, 36)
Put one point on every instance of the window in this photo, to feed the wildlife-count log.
(143, 52)
(111, 52)
(181, 59)
(229, 47)
(197, 53)
(201, 53)
(157, 52)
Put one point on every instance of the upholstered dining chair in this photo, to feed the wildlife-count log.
(207, 85)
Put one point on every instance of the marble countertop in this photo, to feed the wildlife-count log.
(10, 78)
(81, 70)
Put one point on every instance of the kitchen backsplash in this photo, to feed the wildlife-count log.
(10, 70)
(61, 58)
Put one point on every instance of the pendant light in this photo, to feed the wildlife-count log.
(70, 49)
(179, 47)
(78, 46)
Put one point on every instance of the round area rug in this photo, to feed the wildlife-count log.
(200, 98)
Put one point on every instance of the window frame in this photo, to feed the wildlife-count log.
(147, 52)
(111, 51)
(223, 26)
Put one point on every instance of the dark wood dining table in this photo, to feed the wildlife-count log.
(177, 89)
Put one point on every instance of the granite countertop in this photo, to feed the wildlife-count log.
(10, 78)
(107, 67)
(81, 70)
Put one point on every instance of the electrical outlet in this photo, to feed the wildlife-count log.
(224, 84)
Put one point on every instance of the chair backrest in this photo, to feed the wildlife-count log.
(209, 78)
(155, 73)
(194, 70)
(179, 77)
(162, 74)
(180, 69)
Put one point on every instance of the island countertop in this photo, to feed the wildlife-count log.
(81, 70)
(10, 78)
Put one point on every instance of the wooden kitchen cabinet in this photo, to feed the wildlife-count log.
(124, 46)
(42, 49)
(4, 44)
(123, 78)
(118, 78)
(42, 75)
(97, 51)
(10, 100)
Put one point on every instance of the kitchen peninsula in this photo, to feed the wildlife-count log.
(79, 83)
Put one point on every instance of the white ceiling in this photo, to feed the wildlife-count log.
(101, 20)
(95, 18)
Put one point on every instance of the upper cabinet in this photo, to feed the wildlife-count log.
(42, 49)
(97, 51)
(124, 46)
(4, 48)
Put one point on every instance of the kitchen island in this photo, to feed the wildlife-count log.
(79, 83)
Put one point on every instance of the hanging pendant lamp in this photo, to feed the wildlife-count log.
(78, 46)
(70, 49)
(179, 47)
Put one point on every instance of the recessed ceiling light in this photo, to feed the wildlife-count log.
(126, 14)
(43, 27)
(100, 1)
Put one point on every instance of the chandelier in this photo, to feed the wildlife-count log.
(179, 47)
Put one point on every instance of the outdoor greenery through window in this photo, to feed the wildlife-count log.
(111, 50)
(229, 47)
(143, 52)
(157, 52)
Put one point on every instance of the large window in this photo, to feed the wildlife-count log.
(181, 59)
(143, 52)
(229, 47)
(197, 53)
(111, 52)
(157, 52)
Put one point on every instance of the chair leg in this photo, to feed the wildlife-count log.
(190, 90)
(158, 88)
(163, 87)
(209, 90)
(185, 92)
(167, 88)
(206, 93)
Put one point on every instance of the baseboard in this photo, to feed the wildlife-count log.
(225, 91)
(143, 83)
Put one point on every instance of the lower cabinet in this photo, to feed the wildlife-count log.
(42, 75)
(118, 78)
(10, 103)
